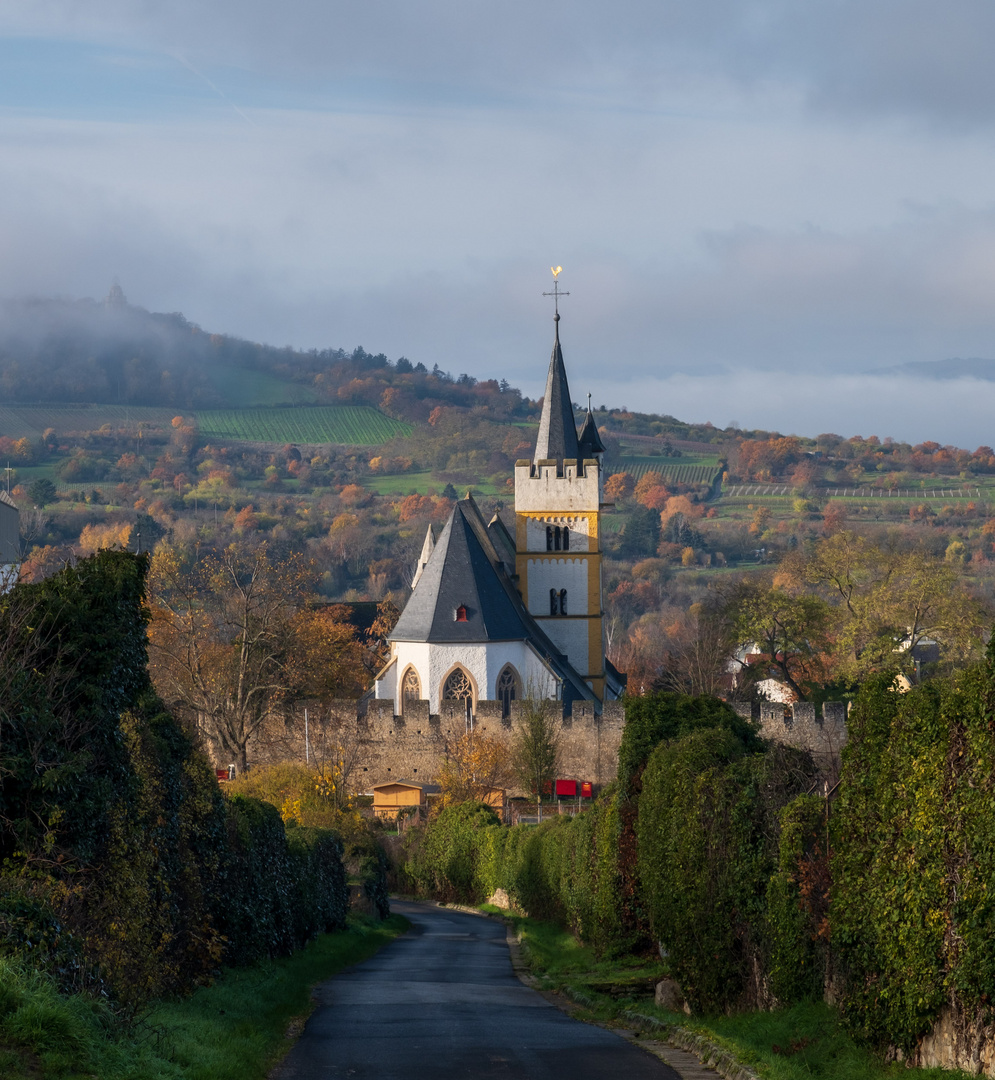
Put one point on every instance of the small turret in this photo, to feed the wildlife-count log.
(589, 439)
(426, 553)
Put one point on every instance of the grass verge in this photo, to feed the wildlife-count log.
(235, 1029)
(805, 1042)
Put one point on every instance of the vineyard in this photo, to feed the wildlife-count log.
(675, 474)
(353, 425)
(31, 421)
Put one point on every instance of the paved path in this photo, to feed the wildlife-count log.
(442, 1003)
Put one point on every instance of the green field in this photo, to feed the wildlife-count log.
(243, 389)
(352, 425)
(30, 421)
(423, 483)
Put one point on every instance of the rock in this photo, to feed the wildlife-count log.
(500, 899)
(668, 996)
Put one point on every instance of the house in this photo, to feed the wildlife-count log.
(494, 616)
(10, 541)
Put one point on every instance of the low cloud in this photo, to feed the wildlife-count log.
(955, 412)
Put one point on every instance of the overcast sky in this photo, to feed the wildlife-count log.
(756, 202)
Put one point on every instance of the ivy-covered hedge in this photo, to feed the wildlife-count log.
(125, 868)
(709, 818)
(913, 863)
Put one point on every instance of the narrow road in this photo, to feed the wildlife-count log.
(442, 1003)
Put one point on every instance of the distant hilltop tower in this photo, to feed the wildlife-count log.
(115, 298)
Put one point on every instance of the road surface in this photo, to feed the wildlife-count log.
(442, 1003)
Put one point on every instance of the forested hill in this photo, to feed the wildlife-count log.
(110, 352)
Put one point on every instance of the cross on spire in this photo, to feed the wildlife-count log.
(556, 294)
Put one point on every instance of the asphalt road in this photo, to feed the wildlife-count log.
(442, 1003)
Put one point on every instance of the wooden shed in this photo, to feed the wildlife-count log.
(394, 796)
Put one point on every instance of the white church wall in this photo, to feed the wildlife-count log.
(558, 573)
(483, 663)
(386, 685)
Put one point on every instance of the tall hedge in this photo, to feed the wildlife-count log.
(125, 868)
(708, 822)
(913, 910)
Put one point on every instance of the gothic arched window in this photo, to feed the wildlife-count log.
(566, 538)
(563, 601)
(554, 602)
(556, 538)
(507, 689)
(549, 538)
(457, 687)
(410, 689)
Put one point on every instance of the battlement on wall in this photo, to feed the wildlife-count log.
(382, 746)
(800, 725)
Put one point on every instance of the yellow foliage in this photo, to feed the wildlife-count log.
(94, 538)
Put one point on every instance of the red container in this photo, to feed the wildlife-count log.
(566, 788)
(586, 789)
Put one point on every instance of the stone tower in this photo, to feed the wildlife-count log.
(558, 533)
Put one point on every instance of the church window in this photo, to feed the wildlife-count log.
(461, 613)
(410, 689)
(457, 687)
(554, 602)
(507, 689)
(549, 537)
(563, 601)
(556, 538)
(566, 538)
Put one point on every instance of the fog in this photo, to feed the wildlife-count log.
(745, 197)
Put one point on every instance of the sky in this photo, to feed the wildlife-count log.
(759, 205)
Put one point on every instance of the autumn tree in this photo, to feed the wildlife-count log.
(791, 632)
(222, 637)
(474, 765)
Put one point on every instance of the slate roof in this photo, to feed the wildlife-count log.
(557, 431)
(466, 569)
(589, 440)
(460, 572)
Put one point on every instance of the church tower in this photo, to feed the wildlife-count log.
(558, 532)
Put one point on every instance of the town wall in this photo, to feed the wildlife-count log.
(378, 745)
(800, 725)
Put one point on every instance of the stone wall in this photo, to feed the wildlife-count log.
(801, 726)
(379, 746)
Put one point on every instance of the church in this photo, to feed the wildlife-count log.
(495, 617)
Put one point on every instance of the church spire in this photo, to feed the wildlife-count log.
(557, 431)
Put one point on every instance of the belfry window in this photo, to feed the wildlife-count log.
(554, 602)
(549, 538)
(563, 601)
(507, 689)
(556, 538)
(566, 538)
